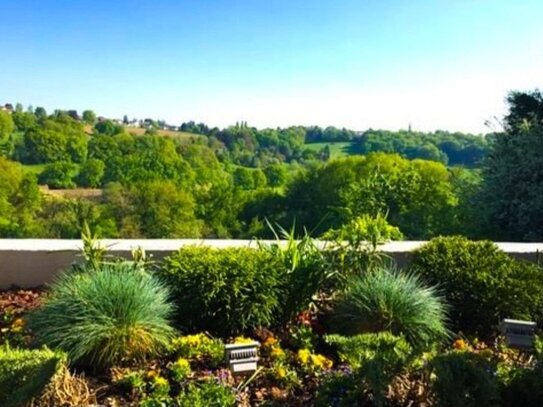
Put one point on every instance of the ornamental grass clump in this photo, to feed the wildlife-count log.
(393, 301)
(105, 316)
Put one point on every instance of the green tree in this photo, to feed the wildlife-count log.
(89, 117)
(276, 174)
(6, 125)
(40, 113)
(59, 175)
(19, 201)
(107, 127)
(61, 139)
(513, 180)
(91, 173)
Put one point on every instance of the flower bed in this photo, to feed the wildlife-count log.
(110, 332)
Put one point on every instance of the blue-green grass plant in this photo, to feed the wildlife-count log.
(105, 315)
(394, 301)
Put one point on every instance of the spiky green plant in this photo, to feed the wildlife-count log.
(105, 315)
(394, 301)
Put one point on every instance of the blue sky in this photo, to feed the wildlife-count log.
(383, 64)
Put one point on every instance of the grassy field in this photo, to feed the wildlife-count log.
(35, 169)
(340, 149)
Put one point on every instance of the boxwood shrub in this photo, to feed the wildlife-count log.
(24, 373)
(224, 291)
(482, 284)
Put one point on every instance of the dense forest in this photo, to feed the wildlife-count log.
(60, 171)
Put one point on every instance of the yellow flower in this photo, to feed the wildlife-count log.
(19, 322)
(304, 355)
(151, 374)
(242, 339)
(277, 352)
(160, 381)
(182, 363)
(281, 372)
(192, 340)
(321, 362)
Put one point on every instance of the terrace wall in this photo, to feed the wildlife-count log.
(33, 262)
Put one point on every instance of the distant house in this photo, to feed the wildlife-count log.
(8, 107)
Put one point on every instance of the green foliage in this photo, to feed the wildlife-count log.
(108, 128)
(305, 271)
(417, 195)
(24, 374)
(199, 347)
(155, 209)
(452, 148)
(464, 379)
(6, 125)
(376, 358)
(93, 252)
(339, 390)
(479, 276)
(61, 139)
(59, 175)
(523, 387)
(513, 183)
(207, 394)
(224, 291)
(394, 301)
(89, 117)
(91, 173)
(19, 200)
(355, 245)
(105, 316)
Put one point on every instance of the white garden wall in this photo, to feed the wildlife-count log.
(33, 262)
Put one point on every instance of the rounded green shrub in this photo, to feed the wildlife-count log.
(481, 283)
(104, 316)
(25, 373)
(224, 291)
(464, 379)
(393, 301)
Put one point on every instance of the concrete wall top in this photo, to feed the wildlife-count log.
(169, 245)
(34, 262)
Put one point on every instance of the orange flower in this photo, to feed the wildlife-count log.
(270, 341)
(460, 344)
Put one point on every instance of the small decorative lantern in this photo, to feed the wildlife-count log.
(242, 357)
(518, 334)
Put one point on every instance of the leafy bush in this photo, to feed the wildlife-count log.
(59, 175)
(224, 291)
(376, 358)
(207, 394)
(103, 316)
(524, 387)
(339, 390)
(24, 374)
(482, 284)
(355, 245)
(388, 300)
(464, 379)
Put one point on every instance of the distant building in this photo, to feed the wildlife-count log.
(8, 107)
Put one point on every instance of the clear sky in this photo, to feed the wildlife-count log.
(444, 64)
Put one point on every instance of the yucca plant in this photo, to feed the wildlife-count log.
(393, 301)
(305, 271)
(104, 316)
